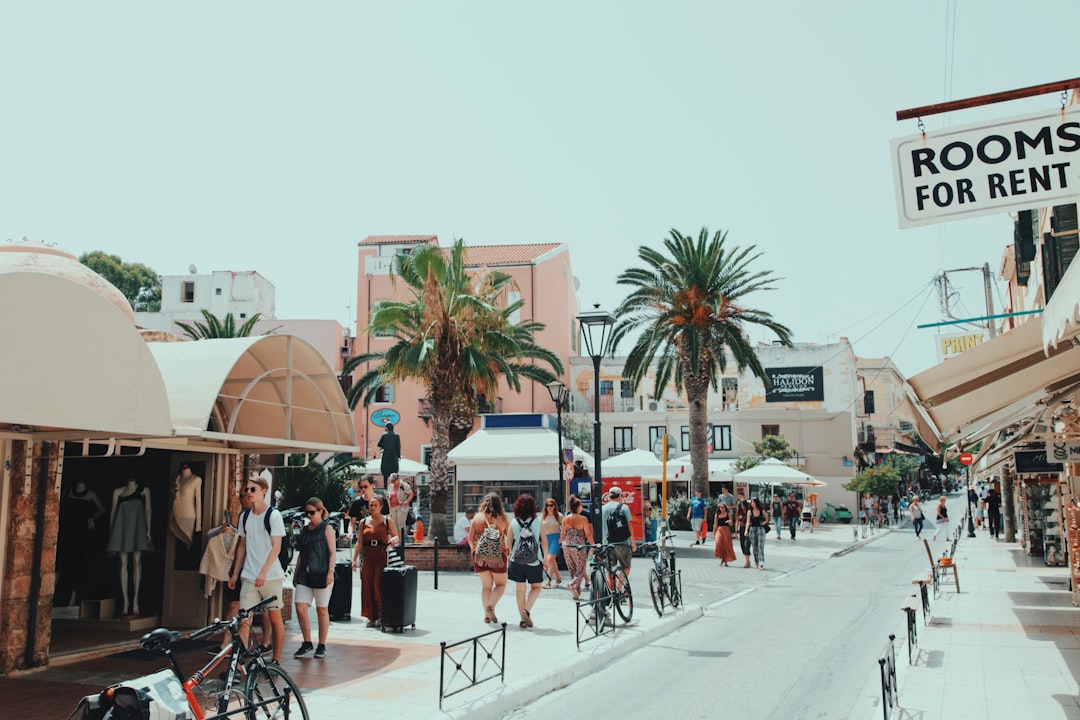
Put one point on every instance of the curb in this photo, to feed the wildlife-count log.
(855, 546)
(510, 696)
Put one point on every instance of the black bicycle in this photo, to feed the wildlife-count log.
(608, 584)
(665, 582)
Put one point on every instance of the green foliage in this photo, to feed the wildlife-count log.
(770, 446)
(305, 478)
(217, 328)
(877, 480)
(906, 466)
(139, 284)
(677, 508)
(578, 428)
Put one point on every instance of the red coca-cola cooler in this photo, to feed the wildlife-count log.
(633, 498)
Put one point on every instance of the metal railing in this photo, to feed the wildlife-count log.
(477, 655)
(594, 617)
(887, 664)
(912, 635)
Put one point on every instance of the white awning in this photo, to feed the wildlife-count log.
(513, 446)
(73, 360)
(258, 393)
(1061, 317)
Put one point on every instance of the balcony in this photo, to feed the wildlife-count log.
(484, 407)
(613, 451)
(610, 403)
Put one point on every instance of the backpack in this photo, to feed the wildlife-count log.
(283, 552)
(489, 546)
(526, 550)
(618, 530)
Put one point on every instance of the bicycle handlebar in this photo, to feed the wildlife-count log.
(244, 614)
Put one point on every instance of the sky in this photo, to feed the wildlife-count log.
(275, 136)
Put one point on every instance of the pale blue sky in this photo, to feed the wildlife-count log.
(274, 136)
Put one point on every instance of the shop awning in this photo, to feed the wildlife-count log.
(996, 384)
(1061, 317)
(513, 446)
(271, 392)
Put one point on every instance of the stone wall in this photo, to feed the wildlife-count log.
(451, 557)
(29, 584)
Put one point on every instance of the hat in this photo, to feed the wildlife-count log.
(615, 491)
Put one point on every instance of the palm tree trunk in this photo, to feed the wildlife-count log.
(697, 397)
(440, 485)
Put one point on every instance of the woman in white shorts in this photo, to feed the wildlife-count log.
(314, 576)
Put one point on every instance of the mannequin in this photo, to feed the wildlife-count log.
(186, 517)
(129, 535)
(80, 509)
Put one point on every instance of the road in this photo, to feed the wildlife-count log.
(803, 645)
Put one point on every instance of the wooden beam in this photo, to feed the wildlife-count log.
(990, 99)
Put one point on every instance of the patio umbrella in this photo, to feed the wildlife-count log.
(774, 471)
(411, 467)
(643, 464)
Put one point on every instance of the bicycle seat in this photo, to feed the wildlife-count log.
(159, 640)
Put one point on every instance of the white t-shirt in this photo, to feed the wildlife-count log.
(258, 544)
(461, 529)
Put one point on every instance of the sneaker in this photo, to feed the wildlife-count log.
(320, 652)
(305, 648)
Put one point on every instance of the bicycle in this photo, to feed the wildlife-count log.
(609, 584)
(665, 582)
(269, 691)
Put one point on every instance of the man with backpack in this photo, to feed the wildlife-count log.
(257, 563)
(616, 522)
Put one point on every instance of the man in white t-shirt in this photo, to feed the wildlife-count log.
(461, 529)
(257, 561)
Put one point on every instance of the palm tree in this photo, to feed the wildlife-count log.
(453, 337)
(217, 328)
(686, 303)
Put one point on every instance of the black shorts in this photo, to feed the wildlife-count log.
(232, 595)
(532, 574)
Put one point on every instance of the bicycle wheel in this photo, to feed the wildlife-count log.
(273, 693)
(624, 599)
(656, 589)
(600, 596)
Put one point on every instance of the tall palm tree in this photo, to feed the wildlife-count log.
(453, 337)
(687, 304)
(215, 327)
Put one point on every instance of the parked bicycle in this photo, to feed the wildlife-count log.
(665, 582)
(268, 691)
(608, 584)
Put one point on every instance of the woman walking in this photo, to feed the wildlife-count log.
(489, 538)
(742, 525)
(942, 518)
(758, 518)
(377, 532)
(576, 530)
(777, 513)
(722, 535)
(313, 577)
(917, 517)
(526, 557)
(551, 525)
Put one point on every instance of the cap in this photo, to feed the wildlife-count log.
(615, 491)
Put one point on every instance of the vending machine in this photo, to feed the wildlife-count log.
(633, 498)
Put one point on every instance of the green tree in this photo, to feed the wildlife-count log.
(305, 477)
(687, 304)
(139, 284)
(454, 337)
(770, 446)
(578, 428)
(218, 328)
(880, 480)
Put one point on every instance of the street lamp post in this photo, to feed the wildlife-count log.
(596, 328)
(558, 393)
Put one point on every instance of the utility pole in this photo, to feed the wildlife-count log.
(943, 283)
(989, 299)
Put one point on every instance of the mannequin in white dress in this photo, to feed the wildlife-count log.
(186, 518)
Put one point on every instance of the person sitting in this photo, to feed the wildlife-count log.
(461, 528)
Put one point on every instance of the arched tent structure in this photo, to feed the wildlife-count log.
(256, 393)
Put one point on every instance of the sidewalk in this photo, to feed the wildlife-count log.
(368, 670)
(1006, 646)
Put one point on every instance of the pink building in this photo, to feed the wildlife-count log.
(545, 281)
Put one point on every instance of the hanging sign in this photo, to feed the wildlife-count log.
(384, 416)
(1063, 451)
(987, 168)
(949, 346)
(789, 384)
(1034, 462)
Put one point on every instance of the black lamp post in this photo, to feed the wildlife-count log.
(558, 394)
(596, 328)
(968, 488)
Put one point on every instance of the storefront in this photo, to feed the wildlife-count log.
(119, 455)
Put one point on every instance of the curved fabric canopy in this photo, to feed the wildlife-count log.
(73, 360)
(638, 462)
(270, 391)
(771, 470)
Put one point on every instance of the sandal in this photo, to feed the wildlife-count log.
(526, 619)
(547, 585)
(491, 614)
(558, 582)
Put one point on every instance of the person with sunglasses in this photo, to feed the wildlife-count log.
(376, 533)
(314, 576)
(551, 527)
(365, 491)
(257, 561)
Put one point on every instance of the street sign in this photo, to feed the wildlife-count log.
(966, 458)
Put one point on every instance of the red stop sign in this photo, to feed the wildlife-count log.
(966, 458)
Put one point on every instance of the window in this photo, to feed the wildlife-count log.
(607, 387)
(217, 291)
(625, 390)
(721, 437)
(513, 296)
(767, 430)
(624, 439)
(729, 393)
(187, 291)
(243, 316)
(385, 394)
(655, 433)
(684, 437)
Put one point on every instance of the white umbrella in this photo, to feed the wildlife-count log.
(411, 467)
(772, 470)
(641, 463)
(720, 470)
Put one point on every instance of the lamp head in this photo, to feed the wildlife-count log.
(557, 391)
(596, 328)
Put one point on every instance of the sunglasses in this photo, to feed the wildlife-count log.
(252, 489)
(550, 504)
(311, 512)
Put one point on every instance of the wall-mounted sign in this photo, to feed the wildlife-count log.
(988, 167)
(1063, 451)
(952, 345)
(789, 384)
(384, 416)
(1035, 462)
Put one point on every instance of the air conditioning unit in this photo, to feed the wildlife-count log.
(655, 405)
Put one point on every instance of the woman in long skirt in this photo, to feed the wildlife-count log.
(722, 535)
(576, 530)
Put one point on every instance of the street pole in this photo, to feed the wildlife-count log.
(558, 393)
(597, 480)
(971, 522)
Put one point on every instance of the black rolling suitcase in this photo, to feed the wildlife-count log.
(341, 594)
(398, 590)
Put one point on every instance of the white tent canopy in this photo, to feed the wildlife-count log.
(771, 470)
(513, 446)
(642, 463)
(720, 470)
